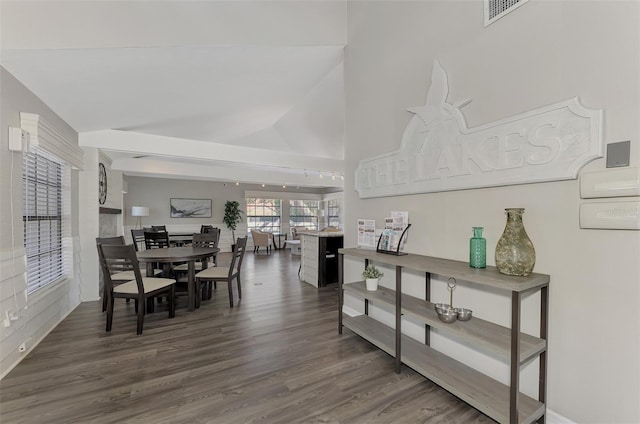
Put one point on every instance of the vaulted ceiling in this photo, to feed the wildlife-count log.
(248, 91)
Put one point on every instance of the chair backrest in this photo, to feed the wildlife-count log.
(260, 238)
(237, 256)
(207, 229)
(138, 238)
(159, 228)
(294, 232)
(156, 240)
(119, 240)
(205, 240)
(119, 258)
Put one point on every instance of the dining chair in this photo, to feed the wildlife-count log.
(261, 239)
(208, 239)
(138, 238)
(200, 240)
(138, 242)
(117, 278)
(295, 231)
(117, 259)
(210, 229)
(215, 274)
(162, 228)
(156, 239)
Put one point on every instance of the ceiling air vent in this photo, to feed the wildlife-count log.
(496, 9)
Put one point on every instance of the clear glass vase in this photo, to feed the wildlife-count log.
(477, 249)
(515, 254)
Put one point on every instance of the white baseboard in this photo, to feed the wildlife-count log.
(350, 311)
(33, 345)
(555, 418)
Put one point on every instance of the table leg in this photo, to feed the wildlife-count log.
(205, 265)
(191, 284)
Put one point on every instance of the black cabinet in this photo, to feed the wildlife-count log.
(328, 259)
(320, 258)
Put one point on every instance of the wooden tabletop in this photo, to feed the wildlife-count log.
(176, 254)
(489, 276)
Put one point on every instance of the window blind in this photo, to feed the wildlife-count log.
(42, 175)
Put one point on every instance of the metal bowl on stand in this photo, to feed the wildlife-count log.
(463, 314)
(447, 315)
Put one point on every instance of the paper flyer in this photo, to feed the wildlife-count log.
(394, 225)
(367, 233)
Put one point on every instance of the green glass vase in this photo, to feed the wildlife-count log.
(477, 249)
(515, 254)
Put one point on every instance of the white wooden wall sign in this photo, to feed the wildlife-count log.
(439, 152)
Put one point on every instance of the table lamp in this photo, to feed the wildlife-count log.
(139, 212)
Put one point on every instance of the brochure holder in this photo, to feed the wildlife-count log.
(397, 252)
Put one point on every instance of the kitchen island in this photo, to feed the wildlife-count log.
(319, 259)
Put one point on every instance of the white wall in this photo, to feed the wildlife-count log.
(541, 53)
(155, 193)
(38, 314)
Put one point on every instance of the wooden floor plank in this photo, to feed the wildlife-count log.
(276, 357)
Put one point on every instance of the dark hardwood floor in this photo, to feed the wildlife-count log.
(276, 357)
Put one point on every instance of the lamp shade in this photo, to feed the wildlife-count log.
(139, 211)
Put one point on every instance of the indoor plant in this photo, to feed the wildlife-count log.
(372, 275)
(232, 216)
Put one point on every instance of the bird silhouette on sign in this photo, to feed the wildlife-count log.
(435, 112)
(436, 108)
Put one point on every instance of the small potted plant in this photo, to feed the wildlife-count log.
(372, 275)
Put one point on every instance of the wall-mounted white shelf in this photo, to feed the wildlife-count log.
(612, 182)
(618, 214)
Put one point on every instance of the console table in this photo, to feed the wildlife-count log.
(503, 403)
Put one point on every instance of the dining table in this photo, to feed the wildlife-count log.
(181, 254)
(278, 236)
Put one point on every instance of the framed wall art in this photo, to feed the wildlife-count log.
(190, 208)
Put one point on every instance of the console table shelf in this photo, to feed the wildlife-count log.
(489, 276)
(503, 403)
(484, 334)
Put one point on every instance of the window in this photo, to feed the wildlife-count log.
(42, 177)
(263, 214)
(303, 213)
(334, 213)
